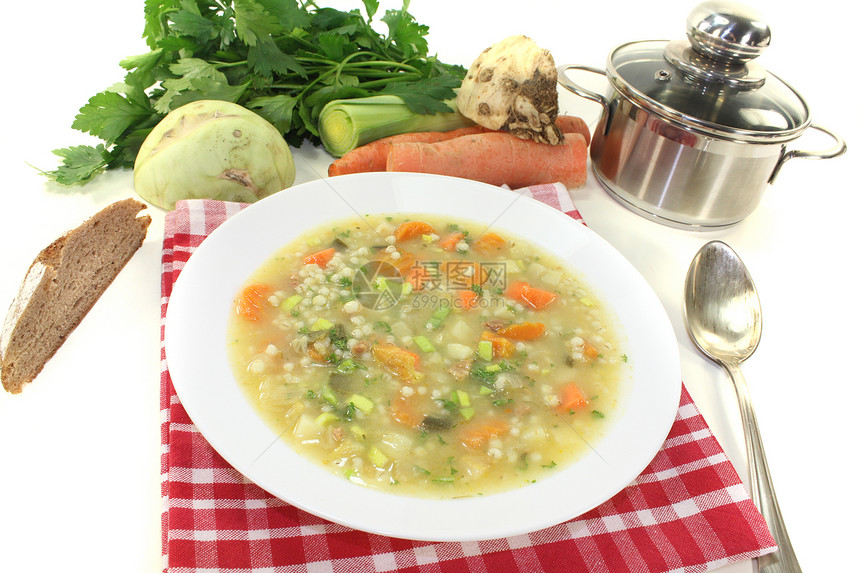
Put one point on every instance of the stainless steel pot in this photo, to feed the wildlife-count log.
(693, 130)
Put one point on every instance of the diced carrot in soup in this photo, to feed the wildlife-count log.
(450, 242)
(522, 330)
(489, 243)
(321, 258)
(404, 263)
(468, 299)
(534, 297)
(502, 347)
(404, 412)
(590, 350)
(250, 303)
(413, 230)
(571, 398)
(477, 435)
(401, 362)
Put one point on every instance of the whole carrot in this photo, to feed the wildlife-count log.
(496, 158)
(574, 124)
(372, 156)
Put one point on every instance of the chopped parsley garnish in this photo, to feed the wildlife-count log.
(380, 325)
(338, 338)
(349, 411)
(487, 373)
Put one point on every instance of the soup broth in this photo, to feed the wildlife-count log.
(427, 356)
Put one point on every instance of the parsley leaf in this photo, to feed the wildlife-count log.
(405, 33)
(80, 164)
(189, 22)
(284, 59)
(108, 114)
(426, 95)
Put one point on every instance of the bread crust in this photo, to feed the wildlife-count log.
(61, 286)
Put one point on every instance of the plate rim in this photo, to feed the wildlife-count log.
(185, 391)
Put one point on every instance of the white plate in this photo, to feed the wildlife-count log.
(195, 339)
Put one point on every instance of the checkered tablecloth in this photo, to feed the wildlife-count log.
(687, 511)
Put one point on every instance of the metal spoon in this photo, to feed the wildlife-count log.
(723, 316)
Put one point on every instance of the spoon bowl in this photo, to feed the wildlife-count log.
(723, 308)
(723, 316)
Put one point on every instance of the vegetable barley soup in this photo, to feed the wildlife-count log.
(426, 356)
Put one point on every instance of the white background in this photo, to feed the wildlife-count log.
(79, 449)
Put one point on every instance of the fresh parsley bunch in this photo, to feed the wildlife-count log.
(284, 59)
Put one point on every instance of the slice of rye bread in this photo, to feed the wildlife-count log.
(63, 284)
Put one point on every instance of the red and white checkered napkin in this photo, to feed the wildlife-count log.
(688, 511)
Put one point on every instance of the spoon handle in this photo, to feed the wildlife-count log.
(763, 493)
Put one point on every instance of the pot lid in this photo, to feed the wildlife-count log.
(709, 81)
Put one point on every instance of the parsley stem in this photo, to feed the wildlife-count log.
(281, 86)
(220, 65)
(340, 67)
(387, 80)
(385, 64)
(370, 84)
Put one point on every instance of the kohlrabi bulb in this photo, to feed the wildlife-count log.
(212, 150)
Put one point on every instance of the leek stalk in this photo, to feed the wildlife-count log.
(485, 350)
(345, 124)
(424, 344)
(361, 402)
(438, 316)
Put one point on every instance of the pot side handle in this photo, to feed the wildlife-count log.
(834, 151)
(579, 90)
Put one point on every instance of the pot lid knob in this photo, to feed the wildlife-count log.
(726, 30)
(723, 38)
